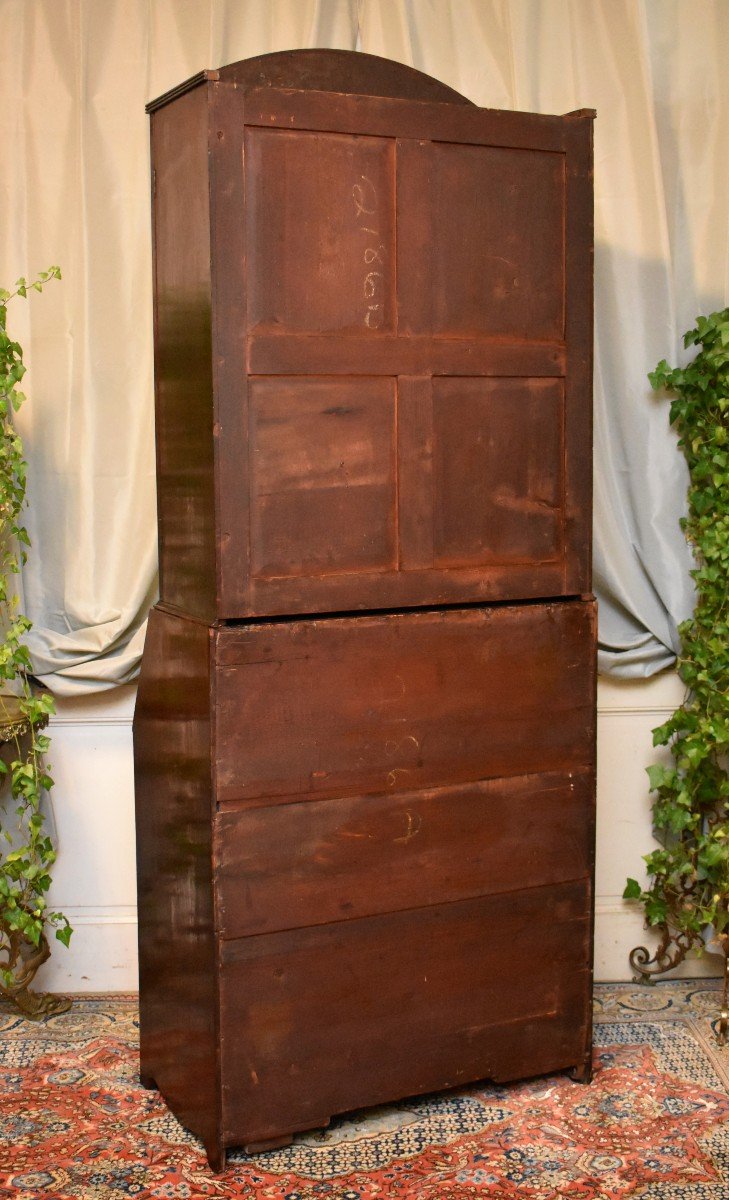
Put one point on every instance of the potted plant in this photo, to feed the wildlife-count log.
(26, 850)
(687, 898)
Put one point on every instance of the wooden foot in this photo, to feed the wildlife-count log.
(268, 1144)
(147, 1082)
(216, 1158)
(582, 1073)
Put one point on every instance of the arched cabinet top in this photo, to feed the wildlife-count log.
(348, 71)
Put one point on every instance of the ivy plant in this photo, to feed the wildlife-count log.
(26, 850)
(687, 897)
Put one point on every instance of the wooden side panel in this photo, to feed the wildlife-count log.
(230, 307)
(183, 354)
(323, 1020)
(400, 701)
(579, 336)
(177, 962)
(294, 865)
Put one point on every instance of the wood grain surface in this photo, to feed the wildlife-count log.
(365, 728)
(359, 250)
(322, 1020)
(391, 702)
(296, 865)
(177, 948)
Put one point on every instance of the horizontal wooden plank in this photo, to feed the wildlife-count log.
(285, 108)
(495, 581)
(373, 353)
(382, 703)
(323, 1020)
(330, 860)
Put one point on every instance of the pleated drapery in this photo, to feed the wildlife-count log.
(75, 77)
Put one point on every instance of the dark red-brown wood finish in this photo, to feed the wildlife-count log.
(177, 950)
(364, 738)
(352, 289)
(340, 817)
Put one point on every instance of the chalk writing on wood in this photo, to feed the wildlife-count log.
(366, 206)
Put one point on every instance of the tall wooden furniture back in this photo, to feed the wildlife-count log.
(364, 737)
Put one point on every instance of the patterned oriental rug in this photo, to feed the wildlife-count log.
(74, 1121)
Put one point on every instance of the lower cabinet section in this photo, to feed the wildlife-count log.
(317, 1021)
(365, 860)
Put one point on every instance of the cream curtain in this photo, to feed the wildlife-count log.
(75, 190)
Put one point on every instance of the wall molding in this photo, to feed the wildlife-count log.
(88, 722)
(635, 711)
(612, 905)
(104, 914)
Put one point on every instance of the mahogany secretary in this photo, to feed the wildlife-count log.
(365, 727)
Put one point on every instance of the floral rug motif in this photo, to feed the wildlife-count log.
(75, 1123)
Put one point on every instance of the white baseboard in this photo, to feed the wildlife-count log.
(102, 955)
(619, 929)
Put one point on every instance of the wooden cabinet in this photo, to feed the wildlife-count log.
(373, 374)
(364, 735)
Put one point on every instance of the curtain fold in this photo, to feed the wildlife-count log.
(75, 77)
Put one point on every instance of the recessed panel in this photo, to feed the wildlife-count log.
(498, 470)
(320, 231)
(322, 468)
(480, 241)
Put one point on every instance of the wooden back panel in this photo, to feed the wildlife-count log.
(323, 1020)
(400, 353)
(374, 704)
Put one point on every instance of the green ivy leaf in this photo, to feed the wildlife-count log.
(64, 934)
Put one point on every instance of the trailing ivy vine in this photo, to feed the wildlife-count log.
(26, 850)
(687, 898)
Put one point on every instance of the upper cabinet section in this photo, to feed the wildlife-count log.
(373, 320)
